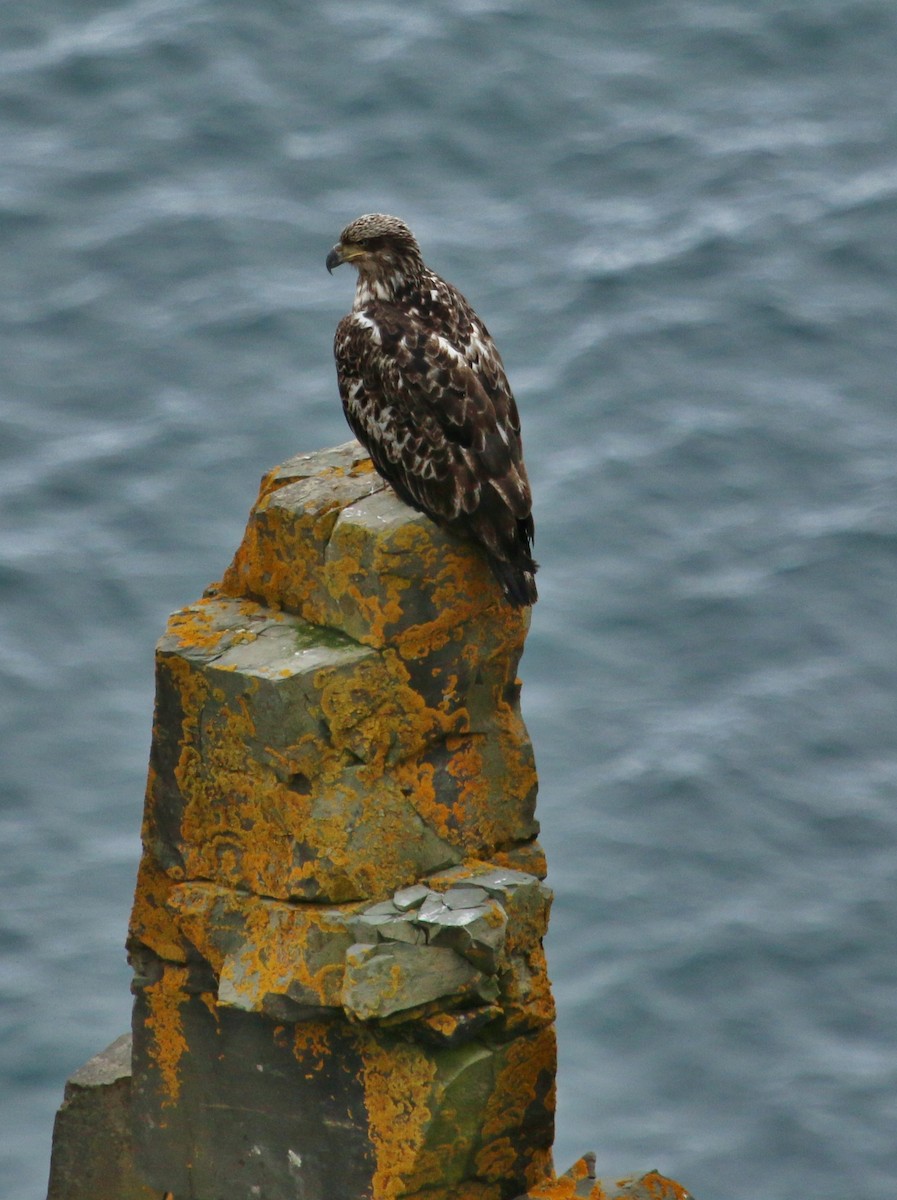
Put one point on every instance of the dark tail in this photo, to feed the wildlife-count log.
(517, 583)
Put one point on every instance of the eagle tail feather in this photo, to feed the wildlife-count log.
(518, 583)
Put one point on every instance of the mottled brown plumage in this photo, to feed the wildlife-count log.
(425, 392)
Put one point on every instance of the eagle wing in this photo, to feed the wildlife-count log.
(438, 418)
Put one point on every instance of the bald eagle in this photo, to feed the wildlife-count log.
(425, 392)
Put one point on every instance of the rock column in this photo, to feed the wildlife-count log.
(337, 932)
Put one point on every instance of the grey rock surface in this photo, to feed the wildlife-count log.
(93, 1157)
(258, 1112)
(394, 977)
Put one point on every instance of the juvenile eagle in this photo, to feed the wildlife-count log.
(425, 392)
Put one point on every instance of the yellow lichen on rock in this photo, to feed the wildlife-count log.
(261, 948)
(225, 788)
(580, 1183)
(562, 1188)
(524, 1084)
(152, 921)
(526, 991)
(398, 1082)
(164, 1000)
(280, 561)
(374, 713)
(311, 1047)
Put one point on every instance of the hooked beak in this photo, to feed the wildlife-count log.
(334, 258)
(344, 252)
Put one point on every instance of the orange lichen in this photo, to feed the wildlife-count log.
(373, 711)
(541, 1165)
(368, 596)
(312, 1046)
(498, 1159)
(266, 947)
(443, 1023)
(515, 744)
(375, 610)
(232, 828)
(264, 567)
(278, 949)
(575, 1184)
(525, 1077)
(398, 1082)
(417, 780)
(311, 1038)
(562, 1188)
(464, 594)
(525, 856)
(199, 628)
(151, 920)
(196, 627)
(526, 990)
(465, 766)
(168, 1045)
(233, 795)
(660, 1188)
(281, 558)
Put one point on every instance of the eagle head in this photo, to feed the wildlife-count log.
(381, 247)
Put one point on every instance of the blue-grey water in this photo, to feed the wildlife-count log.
(679, 219)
